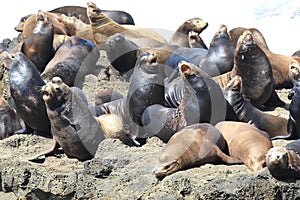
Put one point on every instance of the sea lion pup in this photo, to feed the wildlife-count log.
(246, 112)
(283, 78)
(9, 120)
(73, 127)
(74, 59)
(252, 64)
(181, 36)
(218, 59)
(79, 12)
(284, 162)
(30, 23)
(294, 108)
(192, 146)
(103, 27)
(38, 47)
(246, 143)
(25, 89)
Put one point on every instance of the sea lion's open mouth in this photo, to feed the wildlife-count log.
(47, 96)
(153, 61)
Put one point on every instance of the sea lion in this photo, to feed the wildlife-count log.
(73, 127)
(191, 98)
(284, 162)
(294, 108)
(246, 143)
(74, 59)
(25, 89)
(105, 95)
(79, 12)
(181, 35)
(9, 120)
(193, 146)
(195, 41)
(283, 78)
(252, 64)
(218, 59)
(103, 27)
(121, 53)
(246, 112)
(30, 23)
(38, 47)
(296, 53)
(146, 87)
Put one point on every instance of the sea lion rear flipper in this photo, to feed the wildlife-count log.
(225, 158)
(52, 149)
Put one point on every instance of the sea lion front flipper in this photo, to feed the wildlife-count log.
(52, 149)
(225, 158)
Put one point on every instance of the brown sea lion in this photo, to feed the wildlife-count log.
(252, 64)
(105, 95)
(9, 120)
(38, 47)
(284, 162)
(279, 62)
(181, 36)
(25, 89)
(30, 23)
(246, 112)
(246, 143)
(192, 146)
(74, 59)
(103, 27)
(73, 127)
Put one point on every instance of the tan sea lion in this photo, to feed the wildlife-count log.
(192, 146)
(103, 27)
(30, 23)
(181, 36)
(246, 142)
(284, 162)
(246, 112)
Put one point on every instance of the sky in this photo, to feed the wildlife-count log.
(278, 20)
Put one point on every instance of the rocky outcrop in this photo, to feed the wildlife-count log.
(122, 172)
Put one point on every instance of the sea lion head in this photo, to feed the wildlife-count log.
(221, 32)
(245, 41)
(194, 24)
(55, 92)
(165, 166)
(294, 68)
(147, 62)
(277, 158)
(43, 23)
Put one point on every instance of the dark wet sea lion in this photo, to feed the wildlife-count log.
(246, 112)
(73, 127)
(294, 108)
(296, 53)
(246, 143)
(284, 162)
(121, 53)
(146, 87)
(195, 40)
(79, 12)
(218, 59)
(193, 146)
(25, 88)
(283, 78)
(38, 47)
(74, 59)
(181, 36)
(9, 120)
